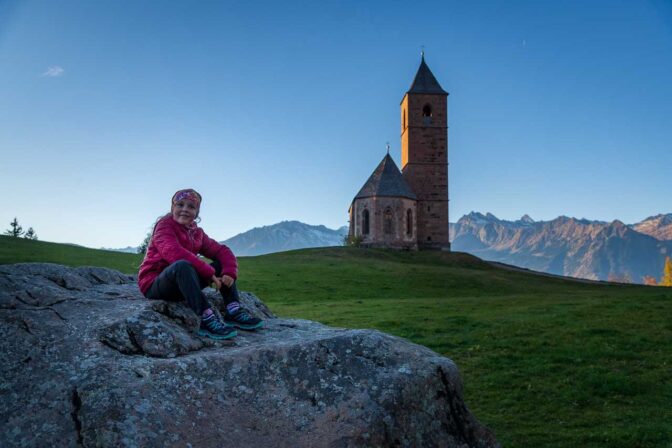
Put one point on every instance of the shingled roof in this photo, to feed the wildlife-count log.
(386, 180)
(425, 82)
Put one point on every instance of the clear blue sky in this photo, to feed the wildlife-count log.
(281, 110)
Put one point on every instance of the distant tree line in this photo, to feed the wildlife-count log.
(17, 231)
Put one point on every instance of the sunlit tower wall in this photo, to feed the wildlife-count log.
(424, 156)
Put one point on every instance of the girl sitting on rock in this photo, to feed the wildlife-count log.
(171, 269)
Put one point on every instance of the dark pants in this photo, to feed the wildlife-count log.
(180, 281)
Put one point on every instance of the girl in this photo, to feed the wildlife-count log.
(171, 269)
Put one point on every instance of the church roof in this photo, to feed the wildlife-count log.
(386, 180)
(425, 82)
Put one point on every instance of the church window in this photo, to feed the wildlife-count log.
(404, 127)
(427, 111)
(387, 221)
(365, 218)
(427, 115)
(409, 222)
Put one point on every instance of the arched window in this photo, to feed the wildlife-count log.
(365, 224)
(427, 110)
(427, 115)
(409, 222)
(387, 221)
(404, 126)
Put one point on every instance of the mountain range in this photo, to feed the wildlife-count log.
(572, 247)
(127, 249)
(581, 248)
(283, 236)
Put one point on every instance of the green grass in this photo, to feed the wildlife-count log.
(19, 250)
(545, 362)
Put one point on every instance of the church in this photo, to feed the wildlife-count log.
(408, 208)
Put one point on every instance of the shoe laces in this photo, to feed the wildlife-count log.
(242, 315)
(216, 324)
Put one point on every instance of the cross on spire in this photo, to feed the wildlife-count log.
(387, 144)
(424, 81)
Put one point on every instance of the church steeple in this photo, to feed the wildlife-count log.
(425, 82)
(424, 155)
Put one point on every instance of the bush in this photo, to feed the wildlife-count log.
(352, 241)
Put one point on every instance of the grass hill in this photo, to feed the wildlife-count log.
(19, 250)
(545, 361)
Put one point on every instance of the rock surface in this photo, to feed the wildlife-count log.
(86, 360)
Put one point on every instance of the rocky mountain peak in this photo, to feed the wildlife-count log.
(658, 226)
(283, 236)
(569, 246)
(662, 218)
(618, 228)
(478, 218)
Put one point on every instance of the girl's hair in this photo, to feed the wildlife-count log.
(148, 239)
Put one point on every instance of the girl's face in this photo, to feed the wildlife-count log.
(184, 211)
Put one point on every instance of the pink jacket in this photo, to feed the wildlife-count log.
(172, 242)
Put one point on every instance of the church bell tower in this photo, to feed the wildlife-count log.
(424, 156)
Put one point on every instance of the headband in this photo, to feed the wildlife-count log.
(187, 194)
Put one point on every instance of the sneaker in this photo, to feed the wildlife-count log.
(213, 328)
(241, 319)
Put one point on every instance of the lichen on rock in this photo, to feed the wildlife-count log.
(86, 360)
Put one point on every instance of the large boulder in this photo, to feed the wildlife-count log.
(86, 360)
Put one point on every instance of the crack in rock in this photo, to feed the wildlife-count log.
(457, 415)
(76, 407)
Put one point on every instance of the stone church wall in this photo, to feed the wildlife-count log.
(394, 235)
(425, 165)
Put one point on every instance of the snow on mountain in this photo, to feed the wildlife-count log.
(283, 236)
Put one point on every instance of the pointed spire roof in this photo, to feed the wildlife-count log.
(386, 180)
(424, 81)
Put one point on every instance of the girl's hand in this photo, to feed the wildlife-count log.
(216, 280)
(228, 281)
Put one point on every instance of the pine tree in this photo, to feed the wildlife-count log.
(16, 230)
(145, 243)
(30, 234)
(667, 273)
